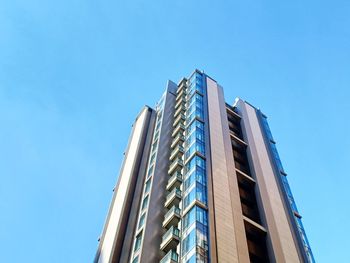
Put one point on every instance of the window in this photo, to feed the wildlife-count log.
(195, 161)
(150, 171)
(136, 260)
(198, 134)
(153, 157)
(189, 218)
(155, 144)
(192, 259)
(196, 125)
(197, 175)
(142, 220)
(189, 242)
(147, 186)
(158, 125)
(201, 216)
(138, 242)
(267, 128)
(198, 193)
(198, 146)
(196, 214)
(144, 203)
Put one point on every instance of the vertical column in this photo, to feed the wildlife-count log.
(290, 205)
(171, 224)
(194, 226)
(226, 218)
(149, 231)
(125, 196)
(280, 235)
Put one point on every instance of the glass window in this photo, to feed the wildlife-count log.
(196, 125)
(202, 237)
(147, 186)
(198, 146)
(195, 161)
(201, 216)
(198, 134)
(144, 203)
(189, 198)
(267, 128)
(142, 220)
(136, 260)
(196, 214)
(192, 259)
(189, 181)
(198, 113)
(201, 193)
(150, 171)
(198, 193)
(196, 98)
(189, 218)
(158, 126)
(138, 242)
(197, 175)
(153, 157)
(189, 242)
(155, 144)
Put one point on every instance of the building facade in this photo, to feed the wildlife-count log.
(202, 181)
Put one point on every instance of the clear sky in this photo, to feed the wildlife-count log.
(74, 74)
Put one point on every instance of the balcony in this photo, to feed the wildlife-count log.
(173, 198)
(172, 217)
(180, 103)
(181, 91)
(176, 165)
(179, 118)
(174, 181)
(171, 257)
(179, 110)
(177, 152)
(170, 239)
(177, 139)
(179, 128)
(181, 96)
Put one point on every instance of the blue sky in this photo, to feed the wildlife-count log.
(74, 74)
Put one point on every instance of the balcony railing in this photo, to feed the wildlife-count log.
(180, 109)
(181, 103)
(172, 217)
(181, 96)
(181, 118)
(176, 165)
(176, 140)
(178, 151)
(170, 239)
(179, 128)
(173, 198)
(171, 257)
(174, 181)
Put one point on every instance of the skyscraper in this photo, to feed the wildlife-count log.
(202, 181)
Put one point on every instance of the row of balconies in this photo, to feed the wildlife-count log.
(171, 237)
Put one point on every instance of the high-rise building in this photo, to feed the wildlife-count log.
(202, 181)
